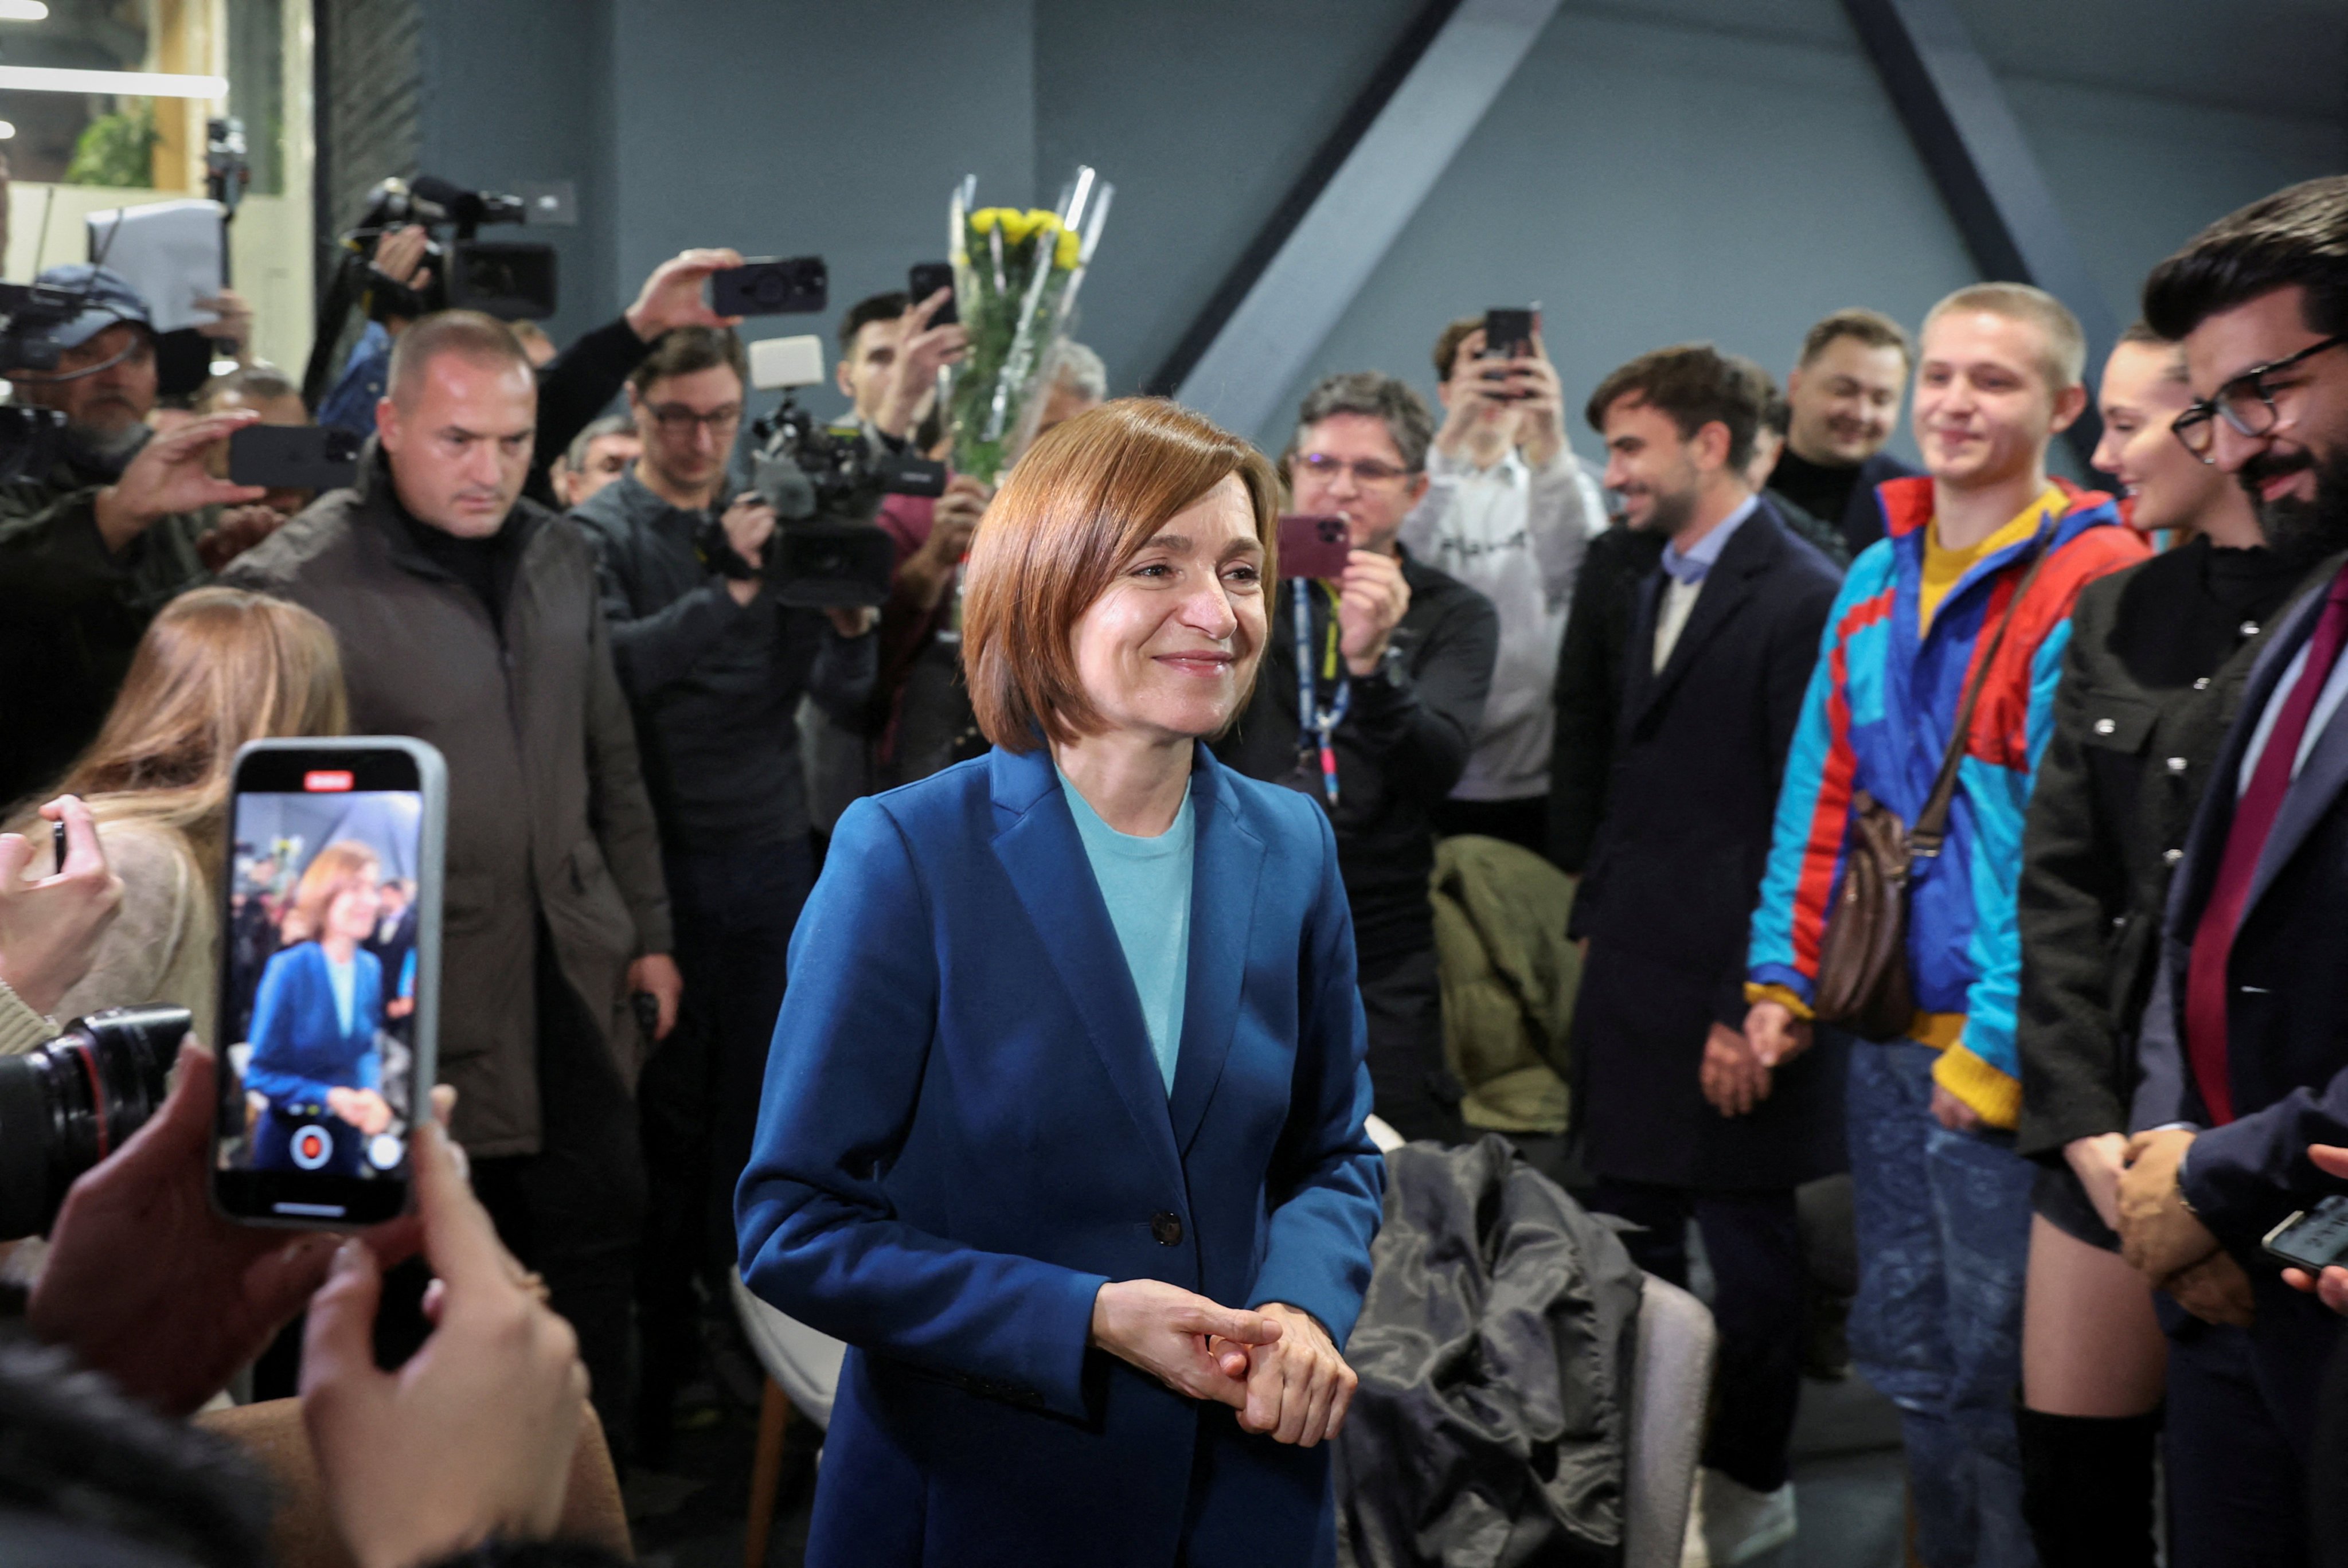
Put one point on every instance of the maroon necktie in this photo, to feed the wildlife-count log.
(2254, 818)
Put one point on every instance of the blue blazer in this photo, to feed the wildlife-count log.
(299, 1048)
(964, 1135)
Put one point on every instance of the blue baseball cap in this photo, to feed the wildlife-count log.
(109, 301)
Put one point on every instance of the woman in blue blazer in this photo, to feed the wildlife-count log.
(1063, 1124)
(314, 1018)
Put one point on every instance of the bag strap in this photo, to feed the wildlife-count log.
(1932, 822)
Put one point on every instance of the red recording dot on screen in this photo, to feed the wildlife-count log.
(323, 780)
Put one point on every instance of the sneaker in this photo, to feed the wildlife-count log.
(1729, 1522)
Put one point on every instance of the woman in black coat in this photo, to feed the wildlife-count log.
(2150, 684)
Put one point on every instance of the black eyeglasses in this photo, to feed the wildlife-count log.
(2246, 402)
(1366, 470)
(677, 419)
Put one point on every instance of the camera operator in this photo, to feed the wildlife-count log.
(469, 617)
(1398, 658)
(574, 387)
(714, 667)
(90, 550)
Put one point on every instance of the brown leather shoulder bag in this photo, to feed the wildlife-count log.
(1863, 983)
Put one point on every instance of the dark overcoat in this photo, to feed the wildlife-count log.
(1698, 753)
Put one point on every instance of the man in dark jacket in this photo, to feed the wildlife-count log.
(2244, 1046)
(714, 667)
(1678, 1116)
(92, 546)
(1844, 396)
(470, 618)
(1389, 667)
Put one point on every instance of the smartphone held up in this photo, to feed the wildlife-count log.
(1314, 547)
(1509, 334)
(329, 978)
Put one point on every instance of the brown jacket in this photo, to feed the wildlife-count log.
(547, 810)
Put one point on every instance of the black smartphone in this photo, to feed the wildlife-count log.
(831, 565)
(926, 279)
(771, 286)
(2314, 1239)
(294, 457)
(329, 977)
(1313, 546)
(1507, 334)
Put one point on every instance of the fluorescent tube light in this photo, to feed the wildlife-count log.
(6, 130)
(23, 11)
(138, 84)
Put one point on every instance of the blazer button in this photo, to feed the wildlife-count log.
(1167, 1229)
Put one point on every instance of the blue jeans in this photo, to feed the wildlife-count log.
(1943, 1247)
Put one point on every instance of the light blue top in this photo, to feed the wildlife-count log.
(342, 977)
(1693, 566)
(1146, 882)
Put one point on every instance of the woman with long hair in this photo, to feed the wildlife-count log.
(314, 1019)
(218, 667)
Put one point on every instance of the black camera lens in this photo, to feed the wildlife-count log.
(77, 1099)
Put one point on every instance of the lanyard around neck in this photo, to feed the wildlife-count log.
(1320, 722)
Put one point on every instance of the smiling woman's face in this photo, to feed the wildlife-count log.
(1170, 648)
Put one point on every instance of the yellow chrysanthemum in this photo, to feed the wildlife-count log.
(1064, 249)
(985, 220)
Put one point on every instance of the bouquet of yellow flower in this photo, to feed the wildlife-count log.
(1015, 279)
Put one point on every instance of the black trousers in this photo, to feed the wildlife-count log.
(2235, 1448)
(698, 1097)
(1753, 1241)
(1410, 1086)
(574, 1212)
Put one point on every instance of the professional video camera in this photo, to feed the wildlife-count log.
(510, 280)
(30, 437)
(825, 483)
(69, 1104)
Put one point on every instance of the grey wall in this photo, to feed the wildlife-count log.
(1658, 169)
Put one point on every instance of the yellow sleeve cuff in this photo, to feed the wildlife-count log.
(1994, 1096)
(1756, 993)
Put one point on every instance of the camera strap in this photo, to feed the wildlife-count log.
(1319, 723)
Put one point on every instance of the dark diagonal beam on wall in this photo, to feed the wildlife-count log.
(1965, 132)
(1260, 330)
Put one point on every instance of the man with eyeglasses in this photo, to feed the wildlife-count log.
(2241, 1046)
(1368, 700)
(714, 667)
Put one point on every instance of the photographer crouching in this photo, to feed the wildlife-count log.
(715, 667)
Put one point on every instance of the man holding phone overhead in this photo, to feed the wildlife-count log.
(1510, 510)
(1368, 700)
(469, 617)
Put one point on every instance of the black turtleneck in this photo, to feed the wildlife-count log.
(485, 566)
(2173, 629)
(1822, 490)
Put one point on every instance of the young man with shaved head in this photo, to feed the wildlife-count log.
(1969, 592)
(468, 616)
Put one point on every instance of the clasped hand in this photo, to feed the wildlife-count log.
(1276, 1366)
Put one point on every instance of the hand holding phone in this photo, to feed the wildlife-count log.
(926, 279)
(771, 286)
(294, 457)
(330, 978)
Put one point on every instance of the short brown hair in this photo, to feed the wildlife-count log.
(2065, 361)
(1373, 395)
(1081, 503)
(687, 351)
(481, 338)
(329, 874)
(1446, 348)
(1871, 327)
(1695, 385)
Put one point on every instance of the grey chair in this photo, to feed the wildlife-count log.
(1671, 1379)
(802, 1370)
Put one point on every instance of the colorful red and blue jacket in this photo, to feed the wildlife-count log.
(1877, 716)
